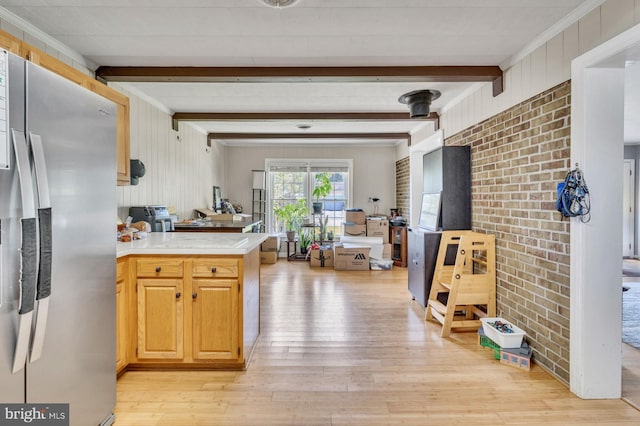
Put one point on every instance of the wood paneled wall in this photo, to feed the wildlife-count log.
(544, 68)
(180, 168)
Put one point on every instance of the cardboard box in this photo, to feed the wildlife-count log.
(374, 243)
(321, 258)
(386, 251)
(268, 256)
(378, 227)
(355, 217)
(349, 258)
(272, 243)
(355, 230)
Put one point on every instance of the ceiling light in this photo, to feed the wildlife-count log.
(419, 102)
(279, 3)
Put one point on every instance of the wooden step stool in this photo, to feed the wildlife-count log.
(468, 286)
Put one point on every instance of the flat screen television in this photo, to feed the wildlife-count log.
(430, 211)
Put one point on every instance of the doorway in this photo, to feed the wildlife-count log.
(628, 210)
(597, 143)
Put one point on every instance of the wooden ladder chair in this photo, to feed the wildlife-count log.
(464, 292)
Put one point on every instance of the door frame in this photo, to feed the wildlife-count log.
(629, 191)
(597, 146)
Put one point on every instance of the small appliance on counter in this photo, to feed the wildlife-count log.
(157, 216)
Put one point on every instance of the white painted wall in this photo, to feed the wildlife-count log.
(416, 179)
(596, 247)
(373, 171)
(180, 169)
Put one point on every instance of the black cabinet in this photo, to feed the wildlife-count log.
(423, 251)
(446, 170)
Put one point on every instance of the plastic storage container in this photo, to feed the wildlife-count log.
(505, 340)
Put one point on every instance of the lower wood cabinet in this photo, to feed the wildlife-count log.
(160, 318)
(215, 319)
(121, 314)
(189, 311)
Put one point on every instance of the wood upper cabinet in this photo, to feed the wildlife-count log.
(121, 315)
(160, 318)
(32, 54)
(122, 151)
(215, 319)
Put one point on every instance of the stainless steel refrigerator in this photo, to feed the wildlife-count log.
(57, 243)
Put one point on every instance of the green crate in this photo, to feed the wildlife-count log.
(485, 342)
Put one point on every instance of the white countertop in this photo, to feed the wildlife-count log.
(192, 243)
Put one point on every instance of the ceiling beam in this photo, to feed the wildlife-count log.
(302, 116)
(377, 136)
(395, 74)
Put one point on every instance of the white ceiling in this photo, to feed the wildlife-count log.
(317, 33)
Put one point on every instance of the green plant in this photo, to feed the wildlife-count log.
(292, 214)
(323, 228)
(322, 186)
(304, 237)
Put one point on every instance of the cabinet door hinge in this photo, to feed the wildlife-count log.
(238, 350)
(238, 288)
(136, 351)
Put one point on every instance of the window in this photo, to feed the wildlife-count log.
(291, 180)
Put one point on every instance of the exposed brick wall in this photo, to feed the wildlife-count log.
(517, 157)
(403, 190)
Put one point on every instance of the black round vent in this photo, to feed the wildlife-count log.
(419, 102)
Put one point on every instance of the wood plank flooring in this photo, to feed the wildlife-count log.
(351, 348)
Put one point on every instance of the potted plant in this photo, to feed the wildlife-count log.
(322, 224)
(321, 189)
(292, 215)
(305, 241)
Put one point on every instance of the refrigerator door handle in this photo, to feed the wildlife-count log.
(45, 258)
(28, 251)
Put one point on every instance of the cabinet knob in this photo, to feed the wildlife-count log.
(194, 295)
(213, 269)
(158, 269)
(178, 294)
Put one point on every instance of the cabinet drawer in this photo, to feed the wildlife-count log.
(160, 268)
(221, 268)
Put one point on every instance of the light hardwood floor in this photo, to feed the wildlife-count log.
(351, 348)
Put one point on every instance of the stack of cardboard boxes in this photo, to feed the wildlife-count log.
(354, 256)
(350, 256)
(355, 224)
(269, 249)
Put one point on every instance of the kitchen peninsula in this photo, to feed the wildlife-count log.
(188, 300)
